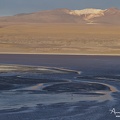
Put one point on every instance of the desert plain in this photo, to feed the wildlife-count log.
(58, 38)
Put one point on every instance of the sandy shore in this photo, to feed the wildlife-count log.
(58, 54)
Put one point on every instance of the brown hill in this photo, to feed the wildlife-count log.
(111, 16)
(50, 16)
(85, 16)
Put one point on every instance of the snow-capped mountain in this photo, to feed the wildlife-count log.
(85, 16)
(88, 13)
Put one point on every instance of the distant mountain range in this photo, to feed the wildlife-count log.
(85, 16)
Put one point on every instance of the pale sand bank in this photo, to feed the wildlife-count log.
(20, 53)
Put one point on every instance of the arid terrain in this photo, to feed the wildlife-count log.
(59, 38)
(63, 31)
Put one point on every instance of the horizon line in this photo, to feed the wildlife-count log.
(56, 9)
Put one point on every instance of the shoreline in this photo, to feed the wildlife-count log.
(78, 54)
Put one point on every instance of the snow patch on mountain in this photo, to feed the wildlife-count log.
(88, 14)
(87, 11)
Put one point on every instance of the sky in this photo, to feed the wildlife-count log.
(12, 7)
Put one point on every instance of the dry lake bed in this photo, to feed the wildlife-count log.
(59, 87)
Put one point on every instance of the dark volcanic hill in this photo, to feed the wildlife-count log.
(85, 16)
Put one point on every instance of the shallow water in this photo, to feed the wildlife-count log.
(29, 83)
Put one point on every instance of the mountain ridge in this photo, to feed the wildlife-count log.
(64, 15)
